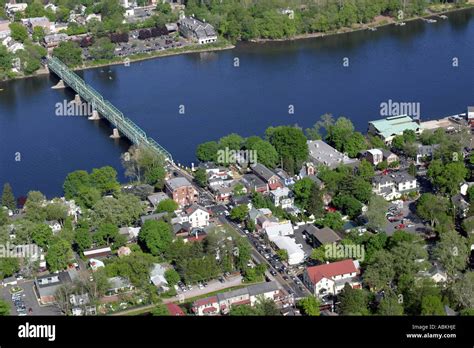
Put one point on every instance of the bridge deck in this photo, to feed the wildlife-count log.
(125, 125)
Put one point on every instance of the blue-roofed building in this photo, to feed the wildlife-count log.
(388, 128)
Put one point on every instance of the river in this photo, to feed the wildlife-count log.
(413, 63)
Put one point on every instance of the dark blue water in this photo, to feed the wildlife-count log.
(408, 64)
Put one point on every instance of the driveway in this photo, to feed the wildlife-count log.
(408, 213)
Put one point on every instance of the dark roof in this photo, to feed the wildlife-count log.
(262, 171)
(396, 177)
(253, 181)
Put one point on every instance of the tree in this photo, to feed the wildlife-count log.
(266, 153)
(18, 32)
(431, 207)
(120, 211)
(412, 169)
(315, 203)
(243, 310)
(104, 179)
(303, 190)
(201, 177)
(156, 236)
(309, 305)
(167, 205)
(160, 310)
(232, 142)
(353, 301)
(266, 307)
(8, 199)
(106, 234)
(463, 290)
(390, 306)
(348, 205)
(38, 34)
(59, 255)
(8, 266)
(376, 213)
(102, 48)
(82, 239)
(432, 305)
(69, 53)
(282, 254)
(239, 190)
(42, 235)
(239, 213)
(447, 178)
(290, 143)
(452, 252)
(207, 152)
(333, 221)
(365, 170)
(74, 182)
(4, 308)
(172, 277)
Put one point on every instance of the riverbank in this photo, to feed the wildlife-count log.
(379, 22)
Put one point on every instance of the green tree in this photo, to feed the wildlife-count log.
(432, 305)
(379, 273)
(59, 255)
(463, 290)
(366, 170)
(303, 190)
(104, 179)
(160, 310)
(333, 221)
(106, 234)
(452, 252)
(120, 211)
(8, 199)
(74, 182)
(42, 235)
(282, 254)
(38, 34)
(309, 305)
(243, 310)
(172, 277)
(167, 205)
(353, 301)
(156, 236)
(376, 210)
(82, 239)
(290, 143)
(8, 266)
(69, 53)
(102, 48)
(266, 154)
(315, 203)
(390, 306)
(207, 152)
(201, 177)
(18, 32)
(431, 207)
(239, 213)
(4, 308)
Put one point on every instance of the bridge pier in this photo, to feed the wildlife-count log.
(115, 134)
(95, 116)
(59, 85)
(77, 99)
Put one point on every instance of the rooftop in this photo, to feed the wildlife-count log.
(394, 125)
(329, 270)
(178, 182)
(322, 153)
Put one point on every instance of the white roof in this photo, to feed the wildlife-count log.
(279, 230)
(295, 253)
(375, 152)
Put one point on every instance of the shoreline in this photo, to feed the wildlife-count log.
(229, 46)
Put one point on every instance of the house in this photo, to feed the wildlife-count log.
(156, 217)
(269, 177)
(53, 40)
(374, 156)
(156, 198)
(175, 310)
(461, 205)
(131, 233)
(182, 229)
(195, 29)
(470, 115)
(435, 273)
(34, 22)
(123, 251)
(393, 185)
(47, 285)
(250, 295)
(279, 230)
(282, 197)
(198, 216)
(285, 178)
(119, 284)
(55, 226)
(157, 277)
(425, 152)
(330, 278)
(308, 171)
(4, 25)
(79, 300)
(318, 236)
(182, 191)
(262, 222)
(254, 184)
(96, 253)
(321, 153)
(389, 156)
(11, 9)
(295, 251)
(389, 127)
(95, 264)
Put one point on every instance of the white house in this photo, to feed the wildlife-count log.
(330, 278)
(157, 277)
(394, 185)
(196, 215)
(295, 251)
(281, 197)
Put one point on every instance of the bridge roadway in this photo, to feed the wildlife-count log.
(124, 125)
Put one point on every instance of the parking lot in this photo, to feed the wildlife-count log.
(26, 302)
(404, 219)
(212, 286)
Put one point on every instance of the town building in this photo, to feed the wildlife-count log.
(374, 156)
(157, 277)
(321, 153)
(282, 197)
(156, 198)
(222, 302)
(389, 127)
(175, 310)
(119, 285)
(96, 253)
(389, 156)
(34, 22)
(53, 40)
(182, 191)
(196, 215)
(202, 32)
(425, 152)
(47, 285)
(253, 183)
(269, 177)
(316, 237)
(394, 185)
(330, 278)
